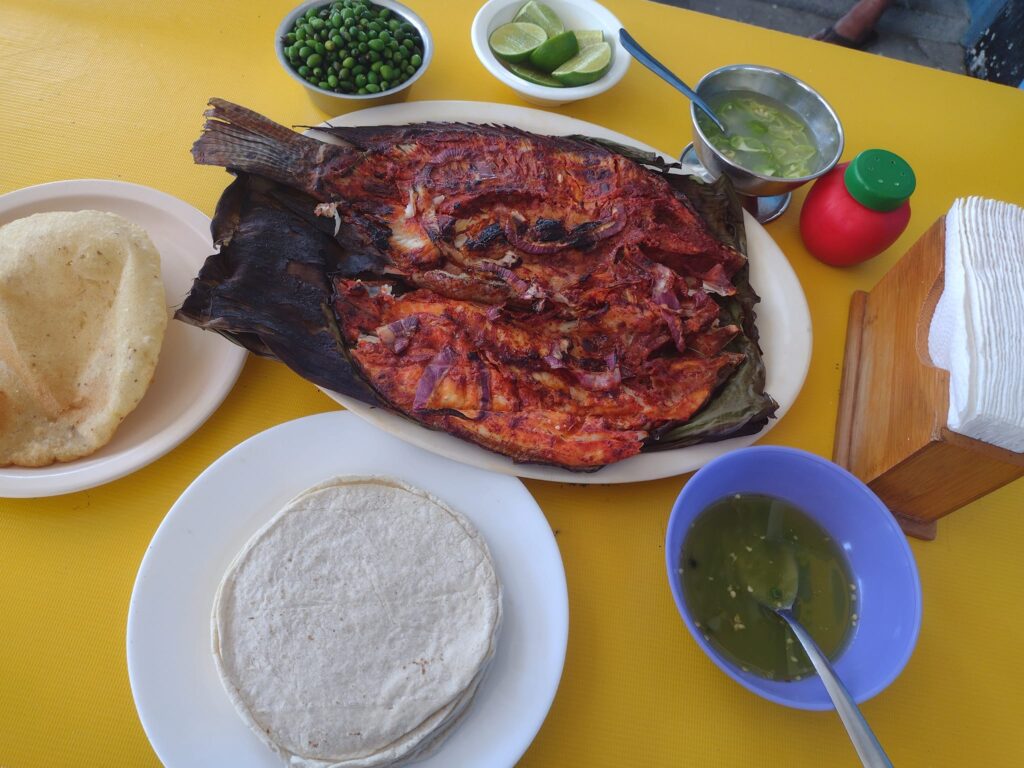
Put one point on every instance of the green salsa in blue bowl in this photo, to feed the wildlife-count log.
(856, 583)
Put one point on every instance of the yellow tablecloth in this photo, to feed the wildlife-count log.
(116, 89)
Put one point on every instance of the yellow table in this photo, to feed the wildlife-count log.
(116, 90)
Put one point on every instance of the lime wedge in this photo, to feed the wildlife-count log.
(587, 37)
(555, 52)
(534, 76)
(539, 14)
(585, 67)
(516, 41)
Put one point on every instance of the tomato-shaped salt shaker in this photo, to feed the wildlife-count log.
(858, 209)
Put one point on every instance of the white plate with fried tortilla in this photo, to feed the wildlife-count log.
(195, 370)
(184, 709)
(783, 318)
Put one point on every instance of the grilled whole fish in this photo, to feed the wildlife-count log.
(550, 298)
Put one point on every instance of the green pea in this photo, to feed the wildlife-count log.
(289, 38)
(408, 44)
(346, 13)
(346, 85)
(375, 26)
(362, 91)
(311, 13)
(372, 78)
(384, 35)
(361, 80)
(338, 41)
(329, 45)
(349, 62)
(394, 24)
(384, 85)
(359, 69)
(344, 73)
(375, 67)
(388, 56)
(363, 47)
(303, 70)
(305, 51)
(415, 59)
(374, 56)
(361, 36)
(316, 23)
(314, 59)
(335, 20)
(371, 88)
(383, 13)
(332, 81)
(353, 31)
(318, 72)
(319, 47)
(410, 69)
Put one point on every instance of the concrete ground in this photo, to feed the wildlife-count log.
(924, 32)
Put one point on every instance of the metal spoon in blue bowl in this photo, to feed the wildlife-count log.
(781, 572)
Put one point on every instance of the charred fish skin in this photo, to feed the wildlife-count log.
(554, 299)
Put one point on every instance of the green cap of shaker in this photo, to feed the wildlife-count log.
(879, 179)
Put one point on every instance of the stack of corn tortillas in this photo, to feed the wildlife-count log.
(353, 630)
(82, 318)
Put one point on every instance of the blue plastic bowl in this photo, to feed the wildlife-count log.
(889, 610)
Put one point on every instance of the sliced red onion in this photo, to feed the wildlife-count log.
(600, 381)
(485, 386)
(432, 375)
(675, 327)
(716, 281)
(518, 284)
(609, 379)
(493, 313)
(396, 335)
(663, 292)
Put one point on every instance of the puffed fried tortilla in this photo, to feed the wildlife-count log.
(82, 318)
(353, 629)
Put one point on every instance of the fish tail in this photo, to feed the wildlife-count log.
(238, 138)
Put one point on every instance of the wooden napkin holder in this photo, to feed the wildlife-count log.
(891, 429)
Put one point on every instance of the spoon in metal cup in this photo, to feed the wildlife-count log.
(780, 571)
(663, 72)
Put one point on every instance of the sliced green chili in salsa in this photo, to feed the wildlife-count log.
(763, 134)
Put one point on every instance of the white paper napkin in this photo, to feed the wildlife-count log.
(977, 331)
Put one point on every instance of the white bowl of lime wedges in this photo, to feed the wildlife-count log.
(550, 51)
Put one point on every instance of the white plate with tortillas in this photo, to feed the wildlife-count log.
(195, 370)
(220, 615)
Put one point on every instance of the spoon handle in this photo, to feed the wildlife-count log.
(663, 72)
(864, 741)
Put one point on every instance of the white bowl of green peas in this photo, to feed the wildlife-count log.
(344, 51)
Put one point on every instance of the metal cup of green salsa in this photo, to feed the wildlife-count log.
(780, 133)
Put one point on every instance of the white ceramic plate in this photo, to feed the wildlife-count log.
(783, 318)
(196, 369)
(182, 705)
